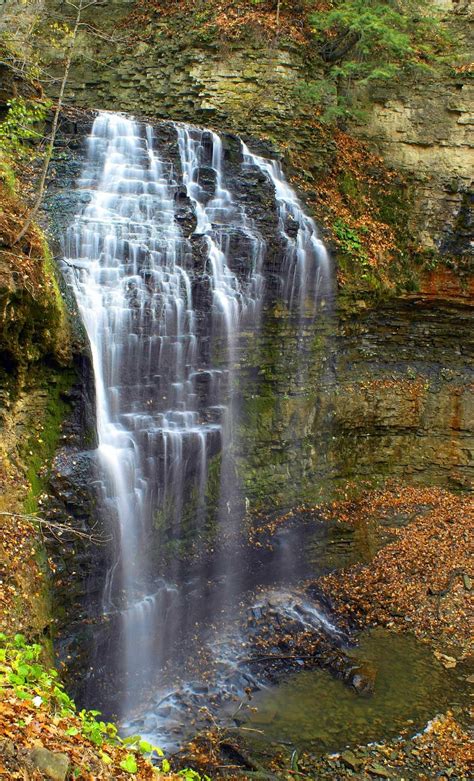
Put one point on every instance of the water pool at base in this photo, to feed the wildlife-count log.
(313, 711)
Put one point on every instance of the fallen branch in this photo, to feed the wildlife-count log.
(274, 656)
(57, 528)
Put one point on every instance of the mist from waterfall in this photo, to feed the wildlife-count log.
(164, 340)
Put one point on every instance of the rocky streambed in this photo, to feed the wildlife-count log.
(395, 704)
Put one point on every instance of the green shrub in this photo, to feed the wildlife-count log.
(20, 125)
(364, 41)
(21, 671)
(350, 241)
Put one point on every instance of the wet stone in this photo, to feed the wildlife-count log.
(363, 680)
(349, 759)
(378, 770)
(149, 723)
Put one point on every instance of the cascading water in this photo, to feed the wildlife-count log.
(306, 266)
(164, 332)
(236, 305)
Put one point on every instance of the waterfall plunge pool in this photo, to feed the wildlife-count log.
(313, 711)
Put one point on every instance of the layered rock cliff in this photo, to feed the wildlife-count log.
(411, 213)
(35, 349)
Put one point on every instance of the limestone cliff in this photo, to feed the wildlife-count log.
(424, 130)
(411, 212)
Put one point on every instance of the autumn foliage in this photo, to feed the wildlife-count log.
(422, 579)
(349, 195)
(230, 19)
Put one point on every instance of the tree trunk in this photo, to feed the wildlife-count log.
(54, 128)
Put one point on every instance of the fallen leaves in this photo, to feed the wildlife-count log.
(24, 726)
(25, 260)
(21, 576)
(229, 19)
(349, 191)
(413, 581)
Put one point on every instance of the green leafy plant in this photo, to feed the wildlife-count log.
(21, 670)
(350, 241)
(129, 764)
(192, 775)
(7, 175)
(20, 125)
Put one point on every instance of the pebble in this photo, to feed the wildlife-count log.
(350, 760)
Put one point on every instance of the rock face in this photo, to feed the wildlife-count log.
(425, 131)
(180, 69)
(385, 393)
(35, 351)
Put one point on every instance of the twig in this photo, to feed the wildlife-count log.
(252, 729)
(58, 528)
(274, 656)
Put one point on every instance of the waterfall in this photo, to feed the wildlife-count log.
(306, 266)
(163, 321)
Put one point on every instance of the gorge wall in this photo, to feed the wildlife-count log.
(35, 377)
(172, 61)
(385, 392)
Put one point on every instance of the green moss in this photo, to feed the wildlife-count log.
(59, 326)
(7, 175)
(394, 206)
(349, 186)
(42, 443)
(34, 324)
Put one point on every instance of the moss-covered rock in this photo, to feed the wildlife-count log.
(35, 347)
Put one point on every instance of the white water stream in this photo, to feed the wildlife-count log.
(306, 267)
(136, 284)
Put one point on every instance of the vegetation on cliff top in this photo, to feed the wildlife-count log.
(362, 42)
(348, 46)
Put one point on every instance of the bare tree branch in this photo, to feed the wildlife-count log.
(49, 149)
(58, 529)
